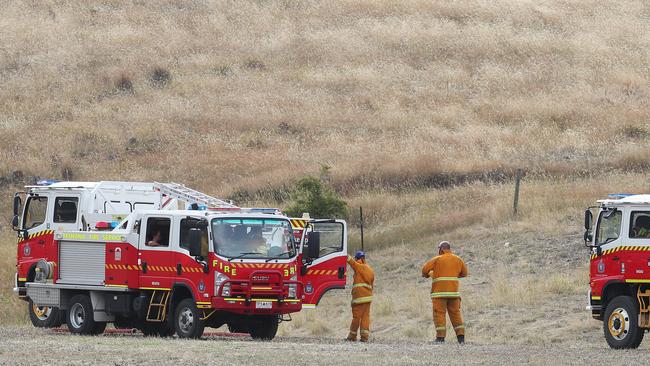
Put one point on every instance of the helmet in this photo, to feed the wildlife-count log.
(360, 254)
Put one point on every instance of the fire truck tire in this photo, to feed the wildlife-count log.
(620, 323)
(238, 328)
(264, 327)
(187, 320)
(100, 327)
(44, 316)
(80, 315)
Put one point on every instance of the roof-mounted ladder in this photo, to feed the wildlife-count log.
(179, 191)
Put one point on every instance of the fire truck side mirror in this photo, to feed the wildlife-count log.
(17, 203)
(588, 219)
(14, 223)
(313, 245)
(194, 240)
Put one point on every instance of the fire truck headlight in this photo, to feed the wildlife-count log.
(293, 288)
(220, 278)
(225, 290)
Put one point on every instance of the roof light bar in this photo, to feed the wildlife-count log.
(619, 195)
(46, 182)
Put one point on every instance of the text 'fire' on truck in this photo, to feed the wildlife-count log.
(92, 253)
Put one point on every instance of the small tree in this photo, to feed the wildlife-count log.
(310, 195)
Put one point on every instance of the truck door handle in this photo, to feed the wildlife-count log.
(179, 269)
(144, 267)
(41, 241)
(341, 272)
(615, 258)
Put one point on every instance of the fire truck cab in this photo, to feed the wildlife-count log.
(164, 270)
(619, 241)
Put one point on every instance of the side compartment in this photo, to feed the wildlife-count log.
(82, 262)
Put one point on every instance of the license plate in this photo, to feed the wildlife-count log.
(263, 304)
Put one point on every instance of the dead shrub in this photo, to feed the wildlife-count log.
(225, 71)
(254, 64)
(160, 77)
(635, 132)
(142, 145)
(123, 82)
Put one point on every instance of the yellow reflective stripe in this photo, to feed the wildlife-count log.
(362, 285)
(459, 327)
(365, 331)
(441, 328)
(445, 279)
(361, 300)
(595, 297)
(637, 281)
(445, 294)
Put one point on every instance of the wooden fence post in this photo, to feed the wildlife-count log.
(518, 175)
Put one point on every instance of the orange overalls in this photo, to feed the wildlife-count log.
(364, 279)
(445, 270)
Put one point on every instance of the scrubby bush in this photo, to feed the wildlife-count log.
(311, 195)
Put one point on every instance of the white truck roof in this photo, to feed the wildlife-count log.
(92, 185)
(636, 199)
(243, 213)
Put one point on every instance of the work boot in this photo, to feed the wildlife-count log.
(440, 339)
(461, 339)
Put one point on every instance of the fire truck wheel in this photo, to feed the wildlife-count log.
(621, 323)
(187, 320)
(44, 316)
(100, 327)
(264, 327)
(80, 315)
(238, 328)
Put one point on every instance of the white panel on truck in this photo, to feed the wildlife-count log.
(82, 262)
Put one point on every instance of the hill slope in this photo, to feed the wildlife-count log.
(420, 111)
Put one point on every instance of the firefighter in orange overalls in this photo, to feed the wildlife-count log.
(364, 280)
(445, 269)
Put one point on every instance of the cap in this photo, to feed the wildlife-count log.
(360, 254)
(444, 244)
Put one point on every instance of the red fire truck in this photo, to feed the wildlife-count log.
(124, 253)
(620, 267)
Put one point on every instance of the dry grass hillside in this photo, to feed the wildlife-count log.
(419, 110)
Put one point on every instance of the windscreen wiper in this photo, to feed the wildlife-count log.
(277, 256)
(241, 255)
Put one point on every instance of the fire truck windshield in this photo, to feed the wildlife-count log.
(253, 238)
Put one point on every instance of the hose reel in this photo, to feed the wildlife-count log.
(44, 271)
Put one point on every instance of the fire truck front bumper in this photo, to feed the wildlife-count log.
(256, 305)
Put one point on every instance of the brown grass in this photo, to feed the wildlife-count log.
(388, 93)
(421, 110)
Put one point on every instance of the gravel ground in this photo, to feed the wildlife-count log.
(45, 347)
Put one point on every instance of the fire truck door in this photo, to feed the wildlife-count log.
(191, 271)
(35, 222)
(157, 270)
(326, 272)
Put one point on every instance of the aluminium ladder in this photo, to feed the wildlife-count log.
(180, 191)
